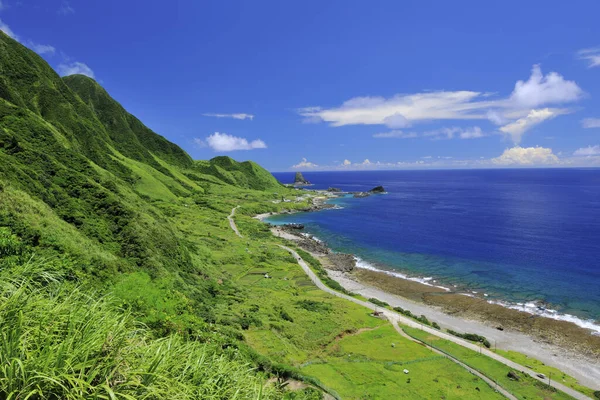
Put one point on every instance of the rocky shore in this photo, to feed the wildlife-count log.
(561, 344)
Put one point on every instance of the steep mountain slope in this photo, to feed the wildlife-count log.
(132, 138)
(94, 202)
(67, 143)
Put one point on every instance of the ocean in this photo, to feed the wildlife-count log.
(526, 238)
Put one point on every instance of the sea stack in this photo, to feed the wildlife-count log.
(300, 180)
(377, 189)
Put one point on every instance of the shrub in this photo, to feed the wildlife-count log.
(378, 302)
(423, 319)
(314, 306)
(472, 337)
(285, 316)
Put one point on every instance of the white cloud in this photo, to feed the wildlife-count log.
(367, 162)
(526, 156)
(224, 142)
(590, 123)
(404, 110)
(496, 118)
(199, 143)
(412, 108)
(395, 121)
(472, 133)
(347, 162)
(588, 151)
(592, 56)
(75, 68)
(6, 29)
(450, 133)
(304, 164)
(40, 48)
(540, 90)
(241, 116)
(517, 128)
(395, 134)
(66, 9)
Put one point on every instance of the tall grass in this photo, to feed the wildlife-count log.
(59, 342)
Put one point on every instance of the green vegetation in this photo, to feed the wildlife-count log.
(378, 302)
(369, 364)
(519, 384)
(121, 278)
(556, 374)
(422, 319)
(472, 337)
(59, 342)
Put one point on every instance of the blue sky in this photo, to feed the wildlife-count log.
(334, 83)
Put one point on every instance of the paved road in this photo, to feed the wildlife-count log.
(232, 222)
(395, 318)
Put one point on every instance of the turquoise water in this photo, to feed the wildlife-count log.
(527, 238)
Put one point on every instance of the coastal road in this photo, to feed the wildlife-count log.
(232, 222)
(396, 318)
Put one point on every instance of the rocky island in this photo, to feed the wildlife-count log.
(299, 180)
(375, 190)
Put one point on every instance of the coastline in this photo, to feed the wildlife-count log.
(558, 343)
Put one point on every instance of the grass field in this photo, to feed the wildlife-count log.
(539, 366)
(369, 364)
(525, 388)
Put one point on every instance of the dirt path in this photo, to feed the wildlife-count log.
(232, 222)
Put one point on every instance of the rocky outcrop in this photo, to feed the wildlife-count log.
(341, 262)
(300, 180)
(334, 190)
(312, 246)
(294, 226)
(377, 189)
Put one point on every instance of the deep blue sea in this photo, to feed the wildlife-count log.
(529, 238)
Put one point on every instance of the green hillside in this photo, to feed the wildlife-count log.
(247, 174)
(88, 191)
(130, 136)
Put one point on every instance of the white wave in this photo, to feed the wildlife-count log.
(531, 307)
(360, 263)
(537, 309)
(312, 237)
